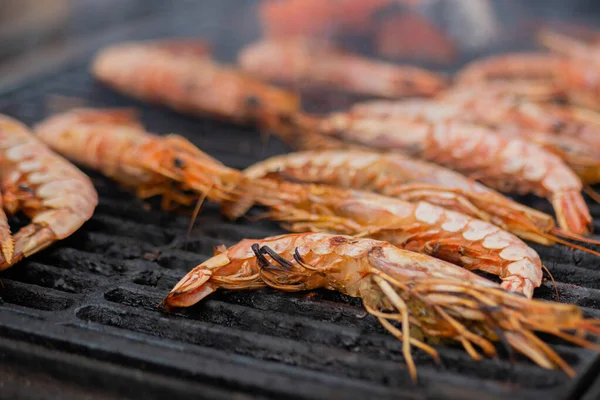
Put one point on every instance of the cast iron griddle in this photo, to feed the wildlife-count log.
(80, 320)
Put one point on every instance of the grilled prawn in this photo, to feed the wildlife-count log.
(578, 43)
(408, 179)
(577, 79)
(506, 164)
(181, 75)
(419, 226)
(560, 129)
(439, 299)
(113, 142)
(581, 70)
(47, 188)
(538, 67)
(298, 61)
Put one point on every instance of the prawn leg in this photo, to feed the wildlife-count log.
(31, 239)
(170, 195)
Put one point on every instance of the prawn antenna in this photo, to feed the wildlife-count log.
(553, 281)
(475, 177)
(574, 236)
(195, 216)
(556, 238)
(265, 137)
(592, 193)
(487, 310)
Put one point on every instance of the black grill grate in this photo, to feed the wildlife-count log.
(81, 317)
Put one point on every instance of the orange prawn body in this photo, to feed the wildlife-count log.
(539, 67)
(398, 176)
(578, 78)
(319, 249)
(439, 299)
(580, 72)
(561, 130)
(419, 226)
(298, 61)
(113, 142)
(504, 163)
(57, 197)
(180, 75)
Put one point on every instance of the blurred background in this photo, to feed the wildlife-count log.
(436, 33)
(43, 27)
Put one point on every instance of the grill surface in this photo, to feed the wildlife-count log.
(81, 318)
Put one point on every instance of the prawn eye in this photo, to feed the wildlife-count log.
(285, 119)
(558, 126)
(25, 188)
(178, 162)
(252, 102)
(409, 83)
